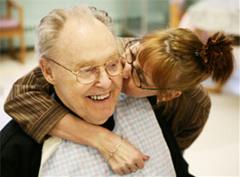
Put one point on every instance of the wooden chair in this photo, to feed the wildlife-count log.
(11, 27)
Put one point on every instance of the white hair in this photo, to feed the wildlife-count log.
(50, 26)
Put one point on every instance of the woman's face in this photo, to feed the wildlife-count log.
(129, 86)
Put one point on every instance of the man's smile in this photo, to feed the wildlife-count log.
(100, 97)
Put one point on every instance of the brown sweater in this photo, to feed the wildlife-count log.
(187, 115)
(30, 104)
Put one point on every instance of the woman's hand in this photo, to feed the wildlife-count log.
(122, 157)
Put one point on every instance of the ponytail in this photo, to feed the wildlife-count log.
(216, 57)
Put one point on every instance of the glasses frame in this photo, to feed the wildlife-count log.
(139, 72)
(76, 74)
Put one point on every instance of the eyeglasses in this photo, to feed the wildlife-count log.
(89, 74)
(137, 73)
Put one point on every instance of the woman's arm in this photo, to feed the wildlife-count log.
(30, 104)
(81, 132)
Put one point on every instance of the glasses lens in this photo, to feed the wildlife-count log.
(87, 74)
(114, 67)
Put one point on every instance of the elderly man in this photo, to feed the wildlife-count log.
(82, 64)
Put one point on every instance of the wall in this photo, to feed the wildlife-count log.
(130, 17)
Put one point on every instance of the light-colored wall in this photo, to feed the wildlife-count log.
(129, 16)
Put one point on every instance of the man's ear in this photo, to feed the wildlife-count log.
(169, 95)
(47, 71)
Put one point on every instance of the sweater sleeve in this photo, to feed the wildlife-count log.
(29, 103)
(187, 115)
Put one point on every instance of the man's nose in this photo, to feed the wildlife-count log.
(104, 79)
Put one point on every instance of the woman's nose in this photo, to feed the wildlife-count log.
(127, 71)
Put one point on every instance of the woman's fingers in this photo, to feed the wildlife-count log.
(146, 157)
(139, 164)
(122, 168)
(119, 166)
(121, 156)
(133, 168)
(126, 169)
(129, 158)
(118, 171)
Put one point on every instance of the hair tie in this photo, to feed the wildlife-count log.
(200, 57)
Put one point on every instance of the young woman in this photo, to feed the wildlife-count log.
(168, 64)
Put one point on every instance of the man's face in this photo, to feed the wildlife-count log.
(89, 43)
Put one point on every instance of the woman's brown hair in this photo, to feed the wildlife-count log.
(179, 60)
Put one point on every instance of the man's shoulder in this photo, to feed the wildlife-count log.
(20, 155)
(13, 135)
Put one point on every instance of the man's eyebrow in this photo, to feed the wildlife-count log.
(83, 64)
(94, 62)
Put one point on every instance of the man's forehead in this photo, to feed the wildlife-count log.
(86, 43)
(83, 29)
(85, 34)
(96, 61)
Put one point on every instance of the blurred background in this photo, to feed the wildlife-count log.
(216, 151)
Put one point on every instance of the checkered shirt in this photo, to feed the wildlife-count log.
(135, 121)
